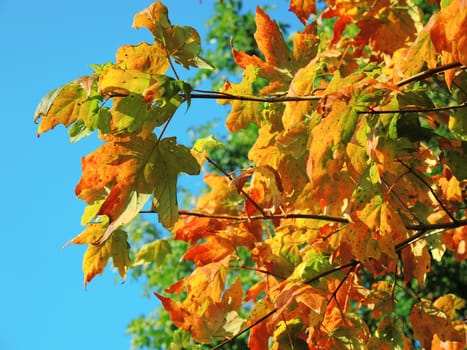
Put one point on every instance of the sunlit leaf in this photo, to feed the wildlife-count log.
(303, 9)
(96, 256)
(153, 252)
(170, 159)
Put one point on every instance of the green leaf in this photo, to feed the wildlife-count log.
(182, 341)
(152, 252)
(131, 113)
(457, 164)
(458, 124)
(170, 160)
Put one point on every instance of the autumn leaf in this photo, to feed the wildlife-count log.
(428, 321)
(153, 252)
(303, 9)
(134, 169)
(276, 53)
(243, 112)
(96, 256)
(180, 42)
(449, 37)
(147, 58)
(60, 106)
(416, 260)
(121, 82)
(384, 28)
(218, 317)
(170, 160)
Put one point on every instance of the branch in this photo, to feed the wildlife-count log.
(270, 99)
(416, 227)
(260, 217)
(232, 338)
(429, 72)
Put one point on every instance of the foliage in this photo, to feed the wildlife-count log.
(358, 170)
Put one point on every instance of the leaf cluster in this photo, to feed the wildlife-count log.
(357, 178)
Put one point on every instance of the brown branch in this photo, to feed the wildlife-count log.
(269, 99)
(260, 217)
(429, 72)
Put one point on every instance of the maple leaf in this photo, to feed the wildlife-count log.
(266, 189)
(65, 105)
(96, 256)
(152, 252)
(147, 58)
(134, 168)
(121, 82)
(416, 261)
(427, 321)
(272, 45)
(448, 34)
(303, 9)
(208, 309)
(181, 43)
(170, 160)
(384, 28)
(243, 112)
(456, 241)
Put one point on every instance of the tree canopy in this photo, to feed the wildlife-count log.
(356, 189)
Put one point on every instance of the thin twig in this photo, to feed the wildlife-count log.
(270, 99)
(230, 177)
(431, 190)
(260, 217)
(246, 329)
(428, 73)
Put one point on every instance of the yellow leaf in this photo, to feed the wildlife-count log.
(96, 256)
(122, 82)
(60, 106)
(155, 18)
(147, 58)
(243, 112)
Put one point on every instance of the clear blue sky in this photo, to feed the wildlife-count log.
(43, 304)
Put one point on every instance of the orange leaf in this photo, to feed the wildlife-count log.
(456, 241)
(155, 17)
(276, 53)
(428, 321)
(209, 310)
(214, 249)
(303, 9)
(270, 41)
(449, 32)
(416, 260)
